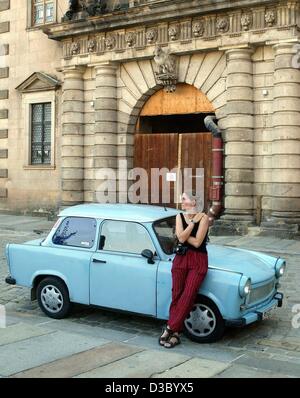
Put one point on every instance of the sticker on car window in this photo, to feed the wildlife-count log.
(85, 243)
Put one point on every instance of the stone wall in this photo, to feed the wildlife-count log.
(4, 95)
(28, 49)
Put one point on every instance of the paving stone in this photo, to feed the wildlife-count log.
(88, 330)
(79, 363)
(205, 351)
(142, 364)
(194, 368)
(277, 366)
(279, 344)
(19, 332)
(27, 354)
(249, 373)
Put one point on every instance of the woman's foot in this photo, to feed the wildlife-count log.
(172, 341)
(167, 332)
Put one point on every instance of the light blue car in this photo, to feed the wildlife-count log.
(119, 256)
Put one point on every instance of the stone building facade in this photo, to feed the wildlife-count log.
(96, 68)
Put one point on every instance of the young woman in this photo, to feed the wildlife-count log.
(189, 269)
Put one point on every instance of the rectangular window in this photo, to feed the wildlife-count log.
(42, 12)
(76, 231)
(41, 133)
(126, 237)
(166, 233)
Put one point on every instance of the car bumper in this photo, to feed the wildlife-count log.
(10, 280)
(257, 314)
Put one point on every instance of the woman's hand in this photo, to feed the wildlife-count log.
(198, 217)
(181, 233)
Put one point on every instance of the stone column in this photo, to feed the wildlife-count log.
(72, 150)
(286, 136)
(106, 126)
(238, 137)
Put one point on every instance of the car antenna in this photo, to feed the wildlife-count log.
(165, 207)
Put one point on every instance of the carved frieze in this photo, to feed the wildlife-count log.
(198, 29)
(75, 48)
(205, 28)
(151, 36)
(246, 21)
(91, 46)
(130, 39)
(270, 18)
(173, 32)
(110, 42)
(222, 24)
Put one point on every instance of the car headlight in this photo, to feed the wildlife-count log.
(280, 269)
(245, 286)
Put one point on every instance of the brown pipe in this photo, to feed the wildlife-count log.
(216, 188)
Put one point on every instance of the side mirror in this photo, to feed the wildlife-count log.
(149, 255)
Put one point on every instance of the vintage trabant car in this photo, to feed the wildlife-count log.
(119, 256)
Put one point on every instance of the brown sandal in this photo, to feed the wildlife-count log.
(163, 340)
(172, 343)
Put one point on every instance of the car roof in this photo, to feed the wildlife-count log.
(119, 211)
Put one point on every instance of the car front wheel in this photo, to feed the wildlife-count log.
(204, 324)
(53, 298)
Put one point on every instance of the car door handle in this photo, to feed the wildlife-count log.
(95, 260)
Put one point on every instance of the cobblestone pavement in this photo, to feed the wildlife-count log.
(267, 349)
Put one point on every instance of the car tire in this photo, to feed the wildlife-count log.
(53, 297)
(204, 324)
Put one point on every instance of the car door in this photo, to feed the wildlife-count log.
(68, 254)
(120, 277)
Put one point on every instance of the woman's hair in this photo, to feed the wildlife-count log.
(193, 195)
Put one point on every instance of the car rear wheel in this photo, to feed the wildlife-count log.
(53, 298)
(204, 324)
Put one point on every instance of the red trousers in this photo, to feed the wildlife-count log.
(188, 272)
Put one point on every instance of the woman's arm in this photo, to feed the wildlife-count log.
(182, 234)
(203, 227)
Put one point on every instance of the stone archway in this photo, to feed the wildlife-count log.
(171, 129)
(137, 83)
(203, 74)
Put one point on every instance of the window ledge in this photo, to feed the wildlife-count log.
(39, 167)
(39, 27)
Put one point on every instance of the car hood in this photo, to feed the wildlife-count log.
(257, 266)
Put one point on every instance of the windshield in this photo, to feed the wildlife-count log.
(166, 233)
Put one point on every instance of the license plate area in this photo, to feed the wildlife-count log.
(268, 314)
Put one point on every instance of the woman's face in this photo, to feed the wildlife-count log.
(186, 203)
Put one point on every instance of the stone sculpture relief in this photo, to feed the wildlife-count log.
(166, 73)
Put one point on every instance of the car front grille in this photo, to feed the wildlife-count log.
(261, 292)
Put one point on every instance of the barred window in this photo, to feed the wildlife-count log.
(41, 133)
(42, 12)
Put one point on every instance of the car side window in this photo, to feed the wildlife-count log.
(125, 236)
(76, 231)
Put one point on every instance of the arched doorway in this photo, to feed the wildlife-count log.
(170, 133)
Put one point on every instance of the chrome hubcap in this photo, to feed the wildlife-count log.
(201, 321)
(52, 299)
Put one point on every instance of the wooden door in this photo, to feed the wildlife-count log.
(156, 151)
(172, 151)
(196, 153)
